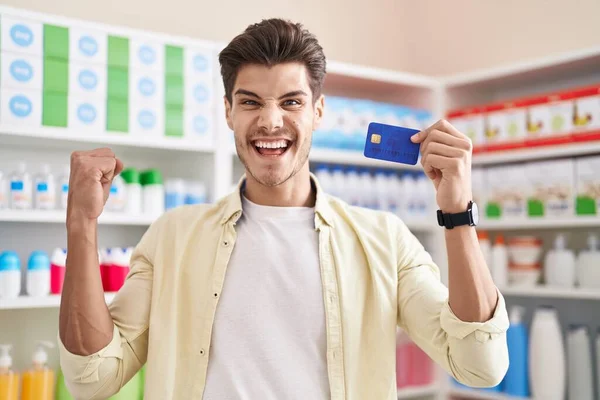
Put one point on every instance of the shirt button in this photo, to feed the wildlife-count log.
(225, 243)
(216, 295)
(201, 352)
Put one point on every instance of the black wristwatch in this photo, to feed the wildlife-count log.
(469, 217)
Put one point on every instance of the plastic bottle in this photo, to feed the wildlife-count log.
(57, 270)
(367, 195)
(9, 380)
(3, 192)
(559, 266)
(45, 189)
(422, 200)
(547, 364)
(338, 181)
(64, 187)
(153, 193)
(38, 274)
(20, 188)
(516, 381)
(499, 262)
(105, 260)
(588, 265)
(174, 193)
(322, 175)
(409, 187)
(119, 268)
(195, 193)
(38, 382)
(117, 197)
(392, 184)
(133, 191)
(10, 275)
(486, 248)
(382, 192)
(579, 361)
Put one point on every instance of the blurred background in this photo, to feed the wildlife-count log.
(521, 79)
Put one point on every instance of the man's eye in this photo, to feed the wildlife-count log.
(249, 103)
(291, 103)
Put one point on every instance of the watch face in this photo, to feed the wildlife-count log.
(475, 213)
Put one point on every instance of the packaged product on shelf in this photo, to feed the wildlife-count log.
(515, 128)
(479, 186)
(58, 266)
(506, 192)
(87, 45)
(117, 272)
(198, 124)
(145, 54)
(64, 187)
(586, 114)
(20, 188)
(10, 275)
(494, 120)
(133, 191)
(579, 363)
(87, 80)
(45, 189)
(559, 264)
(174, 193)
(87, 113)
(561, 117)
(552, 188)
(38, 274)
(21, 71)
(3, 191)
(538, 119)
(9, 379)
(472, 124)
(195, 193)
(39, 380)
(524, 267)
(587, 183)
(104, 257)
(588, 272)
(153, 192)
(117, 196)
(21, 107)
(22, 35)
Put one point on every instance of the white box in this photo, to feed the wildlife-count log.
(20, 35)
(87, 80)
(587, 183)
(147, 119)
(87, 114)
(561, 117)
(495, 127)
(516, 186)
(474, 128)
(146, 55)
(515, 124)
(199, 125)
(21, 71)
(538, 120)
(587, 113)
(147, 87)
(88, 46)
(198, 93)
(21, 107)
(198, 63)
(552, 188)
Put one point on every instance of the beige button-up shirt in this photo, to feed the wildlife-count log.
(376, 277)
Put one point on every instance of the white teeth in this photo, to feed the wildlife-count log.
(271, 145)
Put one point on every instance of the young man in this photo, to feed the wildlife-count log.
(277, 291)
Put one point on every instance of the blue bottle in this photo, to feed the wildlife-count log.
(516, 381)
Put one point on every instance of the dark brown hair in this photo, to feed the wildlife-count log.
(271, 42)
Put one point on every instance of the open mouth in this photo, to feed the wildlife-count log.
(272, 148)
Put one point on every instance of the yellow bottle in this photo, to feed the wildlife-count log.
(38, 382)
(9, 380)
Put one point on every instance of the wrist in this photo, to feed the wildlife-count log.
(79, 224)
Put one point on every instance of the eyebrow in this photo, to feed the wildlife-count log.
(289, 94)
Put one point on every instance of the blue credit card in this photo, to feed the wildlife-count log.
(391, 143)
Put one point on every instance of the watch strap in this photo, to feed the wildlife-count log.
(451, 220)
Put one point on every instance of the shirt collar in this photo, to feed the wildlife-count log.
(233, 204)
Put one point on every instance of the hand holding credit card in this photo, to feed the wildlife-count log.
(391, 143)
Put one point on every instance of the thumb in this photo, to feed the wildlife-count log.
(417, 137)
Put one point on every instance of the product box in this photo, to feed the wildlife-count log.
(587, 113)
(199, 125)
(494, 192)
(515, 124)
(495, 127)
(198, 93)
(21, 71)
(506, 189)
(20, 35)
(21, 107)
(552, 188)
(472, 124)
(87, 113)
(87, 80)
(198, 63)
(147, 87)
(538, 120)
(146, 120)
(587, 182)
(561, 117)
(87, 46)
(146, 55)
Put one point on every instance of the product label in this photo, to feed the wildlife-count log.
(86, 113)
(200, 93)
(65, 188)
(88, 46)
(42, 187)
(146, 87)
(16, 186)
(21, 71)
(88, 80)
(200, 125)
(147, 55)
(21, 35)
(147, 119)
(20, 106)
(200, 63)
(20, 199)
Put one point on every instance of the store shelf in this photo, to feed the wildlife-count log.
(25, 302)
(552, 292)
(58, 216)
(537, 153)
(545, 223)
(63, 137)
(381, 75)
(482, 395)
(352, 157)
(418, 391)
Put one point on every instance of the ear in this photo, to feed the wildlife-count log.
(228, 112)
(319, 109)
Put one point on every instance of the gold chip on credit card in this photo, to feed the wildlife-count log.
(375, 138)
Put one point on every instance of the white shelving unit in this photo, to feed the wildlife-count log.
(215, 163)
(552, 292)
(482, 395)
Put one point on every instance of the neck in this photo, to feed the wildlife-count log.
(295, 192)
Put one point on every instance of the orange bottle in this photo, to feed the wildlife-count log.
(38, 382)
(9, 380)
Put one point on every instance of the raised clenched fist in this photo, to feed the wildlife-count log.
(92, 173)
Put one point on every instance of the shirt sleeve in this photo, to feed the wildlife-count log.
(474, 353)
(104, 373)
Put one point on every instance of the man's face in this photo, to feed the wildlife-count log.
(273, 116)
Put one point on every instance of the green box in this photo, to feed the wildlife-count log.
(117, 82)
(117, 115)
(118, 51)
(56, 42)
(56, 75)
(174, 91)
(174, 121)
(174, 60)
(55, 109)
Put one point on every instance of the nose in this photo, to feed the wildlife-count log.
(270, 118)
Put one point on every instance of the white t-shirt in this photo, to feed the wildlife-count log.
(274, 271)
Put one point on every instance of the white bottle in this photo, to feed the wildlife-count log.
(45, 190)
(117, 197)
(588, 265)
(409, 186)
(381, 200)
(486, 248)
(196, 193)
(174, 193)
(38, 274)
(547, 364)
(499, 262)
(367, 195)
(20, 188)
(393, 185)
(579, 361)
(3, 191)
(63, 188)
(153, 193)
(338, 181)
(353, 186)
(10, 275)
(422, 196)
(559, 265)
(322, 175)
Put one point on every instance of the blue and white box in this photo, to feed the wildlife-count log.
(147, 119)
(88, 46)
(147, 87)
(199, 124)
(87, 113)
(21, 71)
(87, 80)
(19, 35)
(146, 55)
(21, 107)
